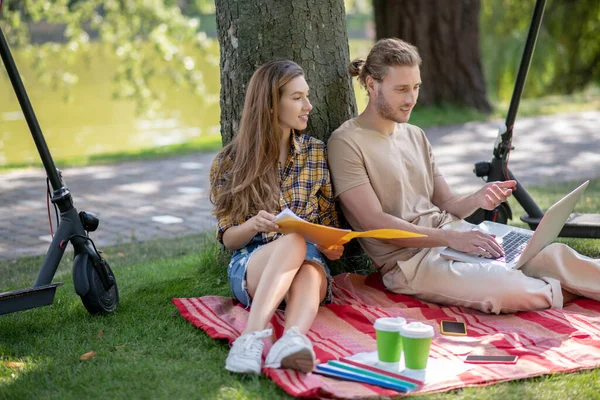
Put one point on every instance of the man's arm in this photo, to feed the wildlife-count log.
(362, 205)
(488, 197)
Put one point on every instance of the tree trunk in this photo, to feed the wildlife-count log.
(446, 32)
(312, 34)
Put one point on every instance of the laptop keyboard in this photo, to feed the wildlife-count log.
(513, 244)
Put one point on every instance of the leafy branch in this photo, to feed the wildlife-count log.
(151, 39)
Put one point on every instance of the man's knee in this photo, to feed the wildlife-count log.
(556, 248)
(514, 295)
(501, 292)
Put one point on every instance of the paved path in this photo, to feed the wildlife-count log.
(167, 198)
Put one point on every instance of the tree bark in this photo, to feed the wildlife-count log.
(446, 32)
(312, 34)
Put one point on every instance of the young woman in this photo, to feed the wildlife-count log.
(268, 166)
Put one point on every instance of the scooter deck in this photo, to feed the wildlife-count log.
(578, 225)
(24, 299)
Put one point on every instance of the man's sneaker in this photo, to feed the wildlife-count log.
(245, 355)
(293, 350)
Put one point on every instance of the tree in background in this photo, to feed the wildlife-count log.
(446, 32)
(149, 38)
(575, 25)
(567, 54)
(162, 38)
(313, 34)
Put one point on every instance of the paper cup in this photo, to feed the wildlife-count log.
(416, 341)
(389, 342)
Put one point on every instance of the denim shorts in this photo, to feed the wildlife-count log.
(236, 272)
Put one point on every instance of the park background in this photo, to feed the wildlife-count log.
(91, 111)
(95, 105)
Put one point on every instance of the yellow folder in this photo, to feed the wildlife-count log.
(327, 236)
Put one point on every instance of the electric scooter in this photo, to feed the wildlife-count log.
(94, 281)
(578, 225)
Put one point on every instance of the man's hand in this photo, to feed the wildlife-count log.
(493, 194)
(476, 242)
(333, 254)
(263, 222)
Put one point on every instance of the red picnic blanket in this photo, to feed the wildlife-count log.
(546, 341)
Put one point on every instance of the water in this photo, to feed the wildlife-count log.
(94, 123)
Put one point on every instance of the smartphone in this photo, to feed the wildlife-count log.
(483, 359)
(453, 328)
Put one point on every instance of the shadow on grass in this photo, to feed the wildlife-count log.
(143, 350)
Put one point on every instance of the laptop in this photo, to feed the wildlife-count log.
(521, 245)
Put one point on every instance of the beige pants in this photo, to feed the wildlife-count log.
(495, 289)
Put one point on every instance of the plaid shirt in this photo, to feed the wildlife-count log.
(305, 187)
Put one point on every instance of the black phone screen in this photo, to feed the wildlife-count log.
(454, 327)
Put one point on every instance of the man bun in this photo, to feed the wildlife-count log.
(356, 66)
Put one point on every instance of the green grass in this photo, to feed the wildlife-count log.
(588, 100)
(146, 350)
(546, 196)
(202, 144)
(425, 117)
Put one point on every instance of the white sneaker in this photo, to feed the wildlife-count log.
(245, 355)
(293, 350)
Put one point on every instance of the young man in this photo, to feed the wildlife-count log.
(384, 175)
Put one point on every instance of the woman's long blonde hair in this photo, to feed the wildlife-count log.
(247, 168)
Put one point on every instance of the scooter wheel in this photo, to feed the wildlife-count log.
(98, 300)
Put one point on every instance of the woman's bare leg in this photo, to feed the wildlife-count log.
(269, 275)
(307, 291)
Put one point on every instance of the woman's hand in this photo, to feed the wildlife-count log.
(263, 222)
(334, 253)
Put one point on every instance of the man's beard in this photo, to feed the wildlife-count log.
(387, 111)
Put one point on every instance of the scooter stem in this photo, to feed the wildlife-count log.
(30, 117)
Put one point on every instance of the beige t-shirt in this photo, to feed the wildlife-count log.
(400, 168)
